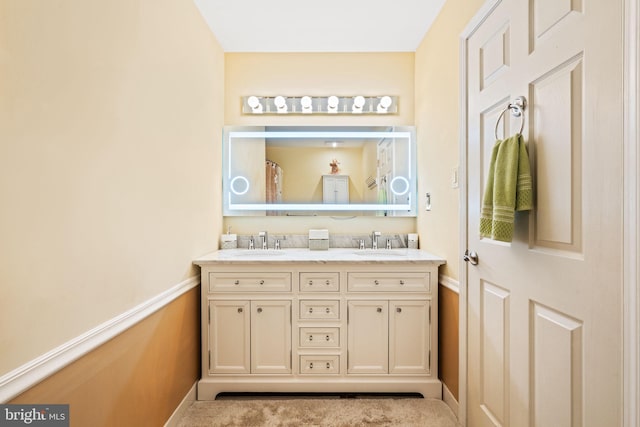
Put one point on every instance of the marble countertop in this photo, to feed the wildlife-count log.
(303, 255)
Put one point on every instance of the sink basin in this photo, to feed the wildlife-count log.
(381, 252)
(257, 253)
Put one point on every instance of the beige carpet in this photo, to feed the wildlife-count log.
(320, 412)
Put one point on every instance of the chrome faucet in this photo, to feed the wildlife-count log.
(265, 239)
(374, 239)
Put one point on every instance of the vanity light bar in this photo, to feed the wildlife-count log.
(384, 104)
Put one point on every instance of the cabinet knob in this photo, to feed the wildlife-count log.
(379, 310)
(310, 309)
(398, 310)
(402, 282)
(259, 309)
(237, 282)
(310, 337)
(240, 310)
(262, 282)
(328, 365)
(328, 310)
(376, 282)
(310, 282)
(310, 365)
(328, 282)
(327, 337)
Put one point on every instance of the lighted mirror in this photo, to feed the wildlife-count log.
(322, 170)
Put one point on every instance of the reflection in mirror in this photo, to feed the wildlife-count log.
(306, 170)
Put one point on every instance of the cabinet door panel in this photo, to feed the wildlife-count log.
(409, 337)
(229, 329)
(367, 336)
(271, 337)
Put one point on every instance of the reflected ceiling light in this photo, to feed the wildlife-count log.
(281, 104)
(305, 101)
(358, 103)
(333, 144)
(384, 104)
(332, 104)
(254, 103)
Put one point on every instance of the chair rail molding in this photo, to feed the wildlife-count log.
(22, 378)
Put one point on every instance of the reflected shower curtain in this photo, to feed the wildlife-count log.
(274, 184)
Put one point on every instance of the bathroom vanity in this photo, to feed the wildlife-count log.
(342, 320)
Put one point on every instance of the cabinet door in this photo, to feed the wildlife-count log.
(335, 188)
(409, 337)
(367, 336)
(270, 337)
(229, 329)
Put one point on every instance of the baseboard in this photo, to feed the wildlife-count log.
(449, 283)
(33, 372)
(451, 401)
(189, 398)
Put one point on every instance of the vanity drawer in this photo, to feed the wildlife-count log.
(371, 282)
(319, 282)
(321, 364)
(319, 337)
(320, 309)
(249, 282)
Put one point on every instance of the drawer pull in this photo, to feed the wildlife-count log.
(310, 365)
(259, 309)
(399, 310)
(376, 282)
(328, 365)
(328, 282)
(310, 282)
(327, 337)
(237, 282)
(240, 310)
(310, 309)
(328, 310)
(262, 282)
(379, 310)
(402, 282)
(310, 337)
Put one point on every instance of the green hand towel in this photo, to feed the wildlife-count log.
(508, 189)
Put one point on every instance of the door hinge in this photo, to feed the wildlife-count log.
(429, 360)
(290, 359)
(347, 315)
(290, 315)
(429, 314)
(209, 359)
(209, 313)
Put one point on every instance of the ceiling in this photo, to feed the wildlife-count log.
(323, 26)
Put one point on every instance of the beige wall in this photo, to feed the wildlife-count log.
(136, 379)
(110, 113)
(437, 127)
(319, 74)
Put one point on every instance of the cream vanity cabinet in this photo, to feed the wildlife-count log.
(324, 325)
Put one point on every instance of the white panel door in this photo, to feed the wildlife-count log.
(271, 337)
(543, 312)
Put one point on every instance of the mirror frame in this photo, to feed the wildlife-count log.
(324, 133)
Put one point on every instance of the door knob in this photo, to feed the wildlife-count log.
(470, 257)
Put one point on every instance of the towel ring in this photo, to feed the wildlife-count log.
(517, 108)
